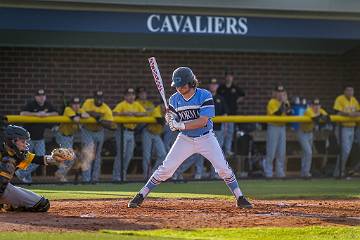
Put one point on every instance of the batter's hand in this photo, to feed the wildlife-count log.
(174, 125)
(169, 117)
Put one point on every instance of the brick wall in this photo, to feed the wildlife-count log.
(80, 71)
(352, 69)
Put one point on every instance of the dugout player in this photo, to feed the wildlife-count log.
(65, 135)
(39, 107)
(143, 100)
(278, 105)
(190, 112)
(14, 154)
(346, 105)
(232, 95)
(305, 134)
(92, 136)
(127, 107)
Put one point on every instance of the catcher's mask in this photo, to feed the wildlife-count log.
(12, 134)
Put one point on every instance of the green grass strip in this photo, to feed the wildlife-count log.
(316, 233)
(258, 189)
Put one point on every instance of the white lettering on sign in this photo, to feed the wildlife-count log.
(197, 24)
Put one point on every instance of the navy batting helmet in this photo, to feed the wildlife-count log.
(182, 76)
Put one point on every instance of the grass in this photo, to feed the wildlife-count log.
(317, 233)
(258, 189)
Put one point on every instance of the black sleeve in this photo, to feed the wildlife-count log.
(50, 107)
(38, 160)
(28, 107)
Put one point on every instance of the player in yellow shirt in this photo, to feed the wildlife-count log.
(346, 105)
(92, 136)
(143, 100)
(305, 134)
(276, 133)
(127, 107)
(65, 135)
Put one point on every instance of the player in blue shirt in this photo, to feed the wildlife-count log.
(190, 112)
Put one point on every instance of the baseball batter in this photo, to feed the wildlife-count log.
(190, 112)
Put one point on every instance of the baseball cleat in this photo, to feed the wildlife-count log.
(242, 202)
(136, 201)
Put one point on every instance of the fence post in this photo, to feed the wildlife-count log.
(341, 151)
(121, 152)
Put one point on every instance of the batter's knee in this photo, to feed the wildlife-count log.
(42, 206)
(225, 173)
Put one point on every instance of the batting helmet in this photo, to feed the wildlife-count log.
(11, 134)
(182, 76)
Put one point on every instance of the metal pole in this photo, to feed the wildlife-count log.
(341, 151)
(122, 152)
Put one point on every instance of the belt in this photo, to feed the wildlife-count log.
(200, 135)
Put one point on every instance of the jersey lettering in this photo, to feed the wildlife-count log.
(189, 114)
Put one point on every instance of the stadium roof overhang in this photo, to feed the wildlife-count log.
(139, 27)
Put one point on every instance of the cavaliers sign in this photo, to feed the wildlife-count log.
(197, 24)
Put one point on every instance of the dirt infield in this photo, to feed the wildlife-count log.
(91, 215)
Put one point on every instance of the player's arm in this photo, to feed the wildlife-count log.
(207, 110)
(27, 110)
(107, 119)
(141, 112)
(51, 110)
(26, 113)
(197, 123)
(339, 108)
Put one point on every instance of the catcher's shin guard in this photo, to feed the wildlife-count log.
(136, 201)
(42, 206)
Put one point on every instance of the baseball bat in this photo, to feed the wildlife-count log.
(158, 80)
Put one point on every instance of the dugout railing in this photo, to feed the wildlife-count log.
(219, 119)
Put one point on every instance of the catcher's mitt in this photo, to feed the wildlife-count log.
(62, 154)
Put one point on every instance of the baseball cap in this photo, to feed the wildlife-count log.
(40, 92)
(130, 91)
(279, 88)
(213, 81)
(316, 101)
(75, 100)
(98, 94)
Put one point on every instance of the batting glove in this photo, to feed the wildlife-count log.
(174, 125)
(169, 117)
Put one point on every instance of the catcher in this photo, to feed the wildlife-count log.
(14, 155)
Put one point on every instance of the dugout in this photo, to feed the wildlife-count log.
(312, 47)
